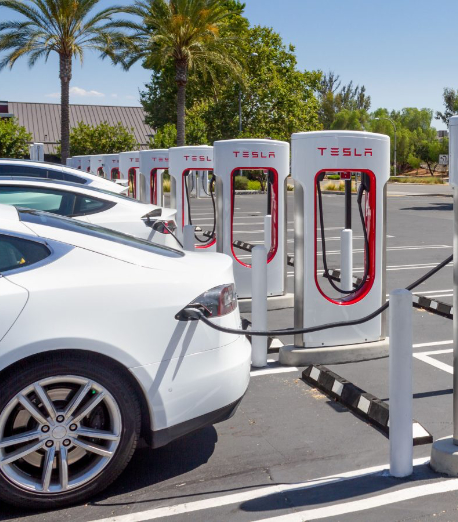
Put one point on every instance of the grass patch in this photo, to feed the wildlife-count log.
(337, 187)
(422, 180)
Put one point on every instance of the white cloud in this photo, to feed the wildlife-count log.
(79, 92)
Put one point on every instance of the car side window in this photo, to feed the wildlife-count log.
(23, 170)
(50, 200)
(74, 179)
(86, 205)
(19, 253)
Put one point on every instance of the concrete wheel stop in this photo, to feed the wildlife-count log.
(291, 355)
(444, 457)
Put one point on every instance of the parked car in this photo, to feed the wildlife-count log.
(92, 356)
(93, 205)
(12, 168)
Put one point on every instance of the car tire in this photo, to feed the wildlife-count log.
(79, 456)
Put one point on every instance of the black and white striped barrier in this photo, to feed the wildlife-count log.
(430, 305)
(364, 404)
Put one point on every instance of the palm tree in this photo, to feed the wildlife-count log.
(67, 27)
(193, 34)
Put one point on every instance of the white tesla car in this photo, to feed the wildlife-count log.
(93, 205)
(11, 168)
(92, 356)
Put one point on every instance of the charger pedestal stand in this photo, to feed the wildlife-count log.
(315, 157)
(444, 453)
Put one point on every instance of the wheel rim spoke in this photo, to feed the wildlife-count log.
(63, 467)
(32, 409)
(22, 452)
(89, 407)
(93, 448)
(45, 400)
(96, 434)
(47, 468)
(19, 439)
(76, 401)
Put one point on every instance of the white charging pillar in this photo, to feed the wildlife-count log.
(253, 154)
(129, 168)
(96, 165)
(315, 153)
(183, 162)
(110, 164)
(153, 164)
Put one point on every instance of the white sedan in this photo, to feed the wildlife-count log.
(93, 205)
(12, 168)
(92, 356)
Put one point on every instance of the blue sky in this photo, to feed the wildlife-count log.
(401, 50)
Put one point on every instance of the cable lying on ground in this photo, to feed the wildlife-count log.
(196, 313)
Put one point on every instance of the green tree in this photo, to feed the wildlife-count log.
(277, 98)
(65, 27)
(100, 139)
(450, 97)
(14, 139)
(165, 137)
(334, 99)
(350, 120)
(428, 152)
(191, 35)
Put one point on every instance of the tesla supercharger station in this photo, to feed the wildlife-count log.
(272, 156)
(82, 163)
(129, 167)
(153, 164)
(184, 163)
(76, 162)
(96, 165)
(37, 151)
(365, 156)
(110, 165)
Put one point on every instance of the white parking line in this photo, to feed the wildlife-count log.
(237, 498)
(444, 486)
(435, 343)
(425, 357)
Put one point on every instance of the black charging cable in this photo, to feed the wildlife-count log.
(197, 313)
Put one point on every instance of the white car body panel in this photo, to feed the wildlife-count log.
(121, 302)
(125, 216)
(12, 302)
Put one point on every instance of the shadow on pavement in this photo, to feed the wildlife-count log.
(432, 206)
(147, 468)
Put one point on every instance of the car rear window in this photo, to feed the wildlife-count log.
(39, 172)
(17, 253)
(80, 227)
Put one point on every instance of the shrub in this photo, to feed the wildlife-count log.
(254, 185)
(240, 183)
(14, 139)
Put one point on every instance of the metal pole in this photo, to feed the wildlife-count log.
(240, 110)
(267, 232)
(259, 305)
(348, 204)
(346, 259)
(400, 362)
(455, 315)
(394, 126)
(188, 238)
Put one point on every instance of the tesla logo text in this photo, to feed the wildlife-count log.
(134, 159)
(160, 159)
(345, 151)
(197, 158)
(254, 154)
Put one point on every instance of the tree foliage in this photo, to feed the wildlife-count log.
(64, 27)
(101, 139)
(14, 139)
(450, 97)
(277, 98)
(335, 100)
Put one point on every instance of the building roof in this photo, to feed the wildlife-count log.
(43, 120)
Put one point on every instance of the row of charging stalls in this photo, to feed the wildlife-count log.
(153, 165)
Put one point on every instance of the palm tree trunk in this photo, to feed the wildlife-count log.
(65, 76)
(181, 70)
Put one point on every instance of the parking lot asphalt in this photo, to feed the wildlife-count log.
(290, 453)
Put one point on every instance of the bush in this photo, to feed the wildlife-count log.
(14, 139)
(254, 185)
(240, 183)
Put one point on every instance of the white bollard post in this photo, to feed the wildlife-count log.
(267, 231)
(188, 238)
(346, 259)
(259, 305)
(401, 436)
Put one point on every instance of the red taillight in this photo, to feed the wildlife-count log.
(218, 301)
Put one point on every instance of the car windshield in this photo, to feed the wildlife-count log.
(72, 225)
